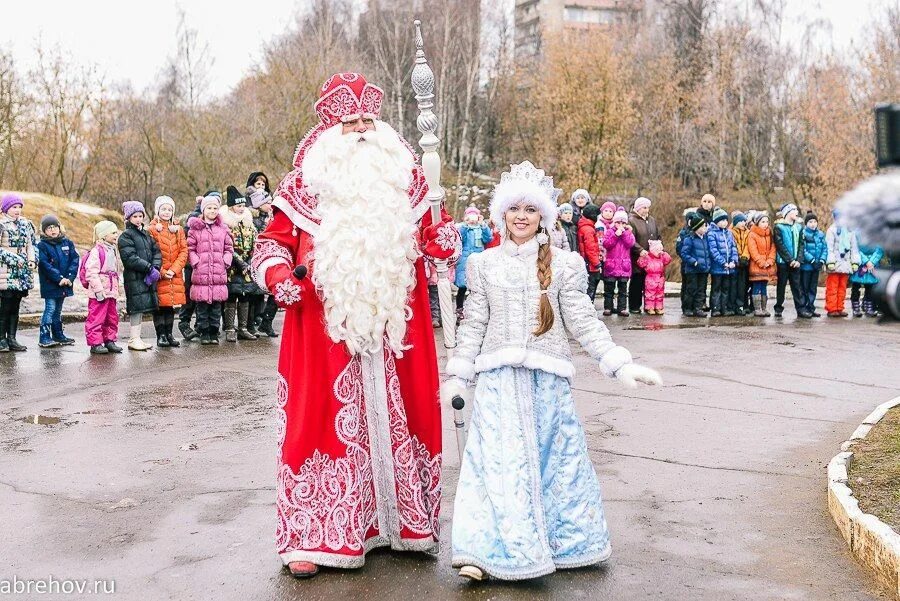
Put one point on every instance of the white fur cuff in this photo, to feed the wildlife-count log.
(459, 367)
(259, 274)
(613, 359)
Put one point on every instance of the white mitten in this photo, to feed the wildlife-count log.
(456, 387)
(632, 373)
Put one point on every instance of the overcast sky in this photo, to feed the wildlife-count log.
(130, 43)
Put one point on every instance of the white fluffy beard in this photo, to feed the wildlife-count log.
(364, 253)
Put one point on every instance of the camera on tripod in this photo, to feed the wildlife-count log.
(873, 208)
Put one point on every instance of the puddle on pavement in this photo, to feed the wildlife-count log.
(40, 420)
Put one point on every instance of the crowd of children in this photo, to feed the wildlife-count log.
(199, 265)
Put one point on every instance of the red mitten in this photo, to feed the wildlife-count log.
(288, 292)
(440, 241)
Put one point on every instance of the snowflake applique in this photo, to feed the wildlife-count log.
(287, 292)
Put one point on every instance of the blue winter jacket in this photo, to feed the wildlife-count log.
(695, 254)
(57, 259)
(815, 250)
(867, 254)
(473, 240)
(722, 250)
(683, 235)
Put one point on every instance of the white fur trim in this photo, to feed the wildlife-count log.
(508, 193)
(613, 359)
(302, 222)
(529, 359)
(513, 357)
(259, 275)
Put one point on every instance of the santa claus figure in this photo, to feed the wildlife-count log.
(359, 420)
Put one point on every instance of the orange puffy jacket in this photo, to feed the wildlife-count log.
(173, 246)
(762, 253)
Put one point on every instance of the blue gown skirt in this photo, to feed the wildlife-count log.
(528, 500)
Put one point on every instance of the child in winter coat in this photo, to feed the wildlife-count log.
(18, 253)
(101, 269)
(694, 253)
(741, 232)
(262, 306)
(589, 247)
(723, 265)
(683, 234)
(617, 241)
(789, 251)
(475, 234)
(864, 277)
(142, 260)
(57, 270)
(172, 242)
(566, 219)
(242, 290)
(815, 253)
(843, 259)
(762, 262)
(654, 265)
(607, 212)
(210, 252)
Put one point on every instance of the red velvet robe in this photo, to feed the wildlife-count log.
(360, 437)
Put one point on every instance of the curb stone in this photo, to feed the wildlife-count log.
(872, 542)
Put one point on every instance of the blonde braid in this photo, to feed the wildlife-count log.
(545, 276)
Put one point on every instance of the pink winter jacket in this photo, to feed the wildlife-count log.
(103, 278)
(654, 265)
(618, 253)
(210, 250)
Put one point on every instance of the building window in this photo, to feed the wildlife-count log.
(581, 14)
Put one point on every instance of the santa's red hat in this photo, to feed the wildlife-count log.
(347, 95)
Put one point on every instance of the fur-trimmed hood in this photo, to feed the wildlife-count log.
(197, 223)
(232, 219)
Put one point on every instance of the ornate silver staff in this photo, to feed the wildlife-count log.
(423, 85)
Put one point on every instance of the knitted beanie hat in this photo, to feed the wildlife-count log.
(591, 212)
(759, 216)
(162, 201)
(234, 197)
(49, 220)
(565, 208)
(695, 222)
(787, 209)
(130, 207)
(9, 201)
(719, 215)
(656, 246)
(580, 193)
(104, 229)
(620, 216)
(738, 217)
(472, 211)
(810, 216)
(641, 203)
(209, 200)
(608, 206)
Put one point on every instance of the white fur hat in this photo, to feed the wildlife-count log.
(525, 182)
(161, 201)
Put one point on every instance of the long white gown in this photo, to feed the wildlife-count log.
(528, 500)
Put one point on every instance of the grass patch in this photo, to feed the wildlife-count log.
(78, 218)
(875, 470)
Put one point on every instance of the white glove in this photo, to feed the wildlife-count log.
(456, 387)
(632, 373)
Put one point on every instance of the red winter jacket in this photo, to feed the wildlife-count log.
(589, 245)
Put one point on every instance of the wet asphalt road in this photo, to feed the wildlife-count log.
(714, 484)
